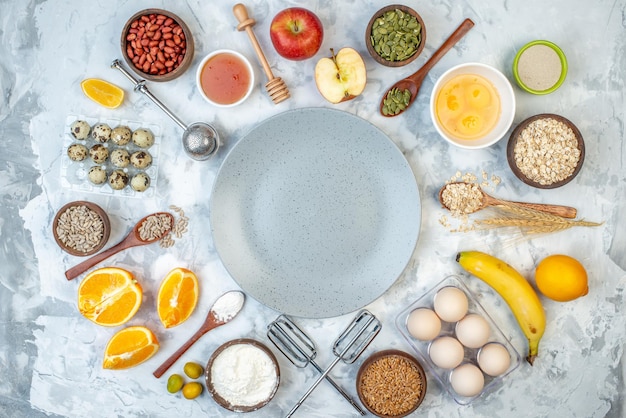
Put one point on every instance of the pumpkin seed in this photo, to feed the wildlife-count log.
(396, 35)
(396, 101)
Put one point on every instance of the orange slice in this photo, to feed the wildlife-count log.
(178, 296)
(129, 347)
(109, 296)
(103, 92)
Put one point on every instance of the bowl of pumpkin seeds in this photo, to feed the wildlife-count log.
(395, 35)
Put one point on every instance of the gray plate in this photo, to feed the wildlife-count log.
(315, 212)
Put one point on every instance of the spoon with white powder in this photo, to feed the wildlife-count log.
(225, 308)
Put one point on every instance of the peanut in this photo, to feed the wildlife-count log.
(155, 44)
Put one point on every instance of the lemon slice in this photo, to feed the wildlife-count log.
(103, 92)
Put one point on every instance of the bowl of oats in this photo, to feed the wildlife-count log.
(546, 151)
(81, 228)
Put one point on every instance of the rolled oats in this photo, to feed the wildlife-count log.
(546, 151)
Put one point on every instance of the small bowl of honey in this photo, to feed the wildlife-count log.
(225, 78)
(472, 105)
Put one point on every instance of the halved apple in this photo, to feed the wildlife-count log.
(341, 77)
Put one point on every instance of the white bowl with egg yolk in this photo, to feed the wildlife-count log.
(472, 105)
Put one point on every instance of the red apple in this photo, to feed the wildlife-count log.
(296, 33)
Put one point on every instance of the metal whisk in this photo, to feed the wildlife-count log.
(300, 349)
(348, 347)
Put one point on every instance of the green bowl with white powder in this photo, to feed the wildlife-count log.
(540, 67)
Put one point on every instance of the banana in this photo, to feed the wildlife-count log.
(514, 289)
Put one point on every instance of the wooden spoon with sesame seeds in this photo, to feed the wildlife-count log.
(148, 230)
(468, 198)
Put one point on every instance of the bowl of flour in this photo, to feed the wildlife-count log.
(242, 375)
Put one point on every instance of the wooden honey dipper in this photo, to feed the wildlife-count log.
(275, 86)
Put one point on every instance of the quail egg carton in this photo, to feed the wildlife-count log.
(421, 348)
(74, 174)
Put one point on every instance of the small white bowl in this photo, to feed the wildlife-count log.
(247, 65)
(507, 104)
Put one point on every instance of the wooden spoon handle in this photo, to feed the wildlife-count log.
(246, 23)
(172, 359)
(562, 211)
(78, 269)
(443, 49)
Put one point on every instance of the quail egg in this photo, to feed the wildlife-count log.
(101, 132)
(118, 180)
(120, 158)
(143, 138)
(121, 135)
(140, 182)
(80, 129)
(97, 175)
(98, 153)
(77, 152)
(141, 159)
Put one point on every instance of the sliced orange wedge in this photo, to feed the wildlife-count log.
(129, 347)
(102, 92)
(109, 296)
(178, 296)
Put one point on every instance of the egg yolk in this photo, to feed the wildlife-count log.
(468, 106)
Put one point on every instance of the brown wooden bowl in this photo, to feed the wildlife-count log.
(385, 354)
(209, 379)
(510, 151)
(106, 231)
(368, 32)
(179, 68)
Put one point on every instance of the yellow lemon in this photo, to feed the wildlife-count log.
(561, 278)
(103, 92)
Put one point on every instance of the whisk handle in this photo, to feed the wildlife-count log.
(339, 389)
(312, 388)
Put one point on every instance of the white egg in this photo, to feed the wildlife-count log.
(450, 303)
(446, 352)
(423, 324)
(494, 359)
(473, 331)
(467, 380)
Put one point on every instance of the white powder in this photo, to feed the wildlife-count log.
(244, 375)
(228, 305)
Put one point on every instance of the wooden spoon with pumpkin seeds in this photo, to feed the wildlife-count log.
(401, 95)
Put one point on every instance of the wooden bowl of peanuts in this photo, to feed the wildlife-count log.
(157, 44)
(81, 228)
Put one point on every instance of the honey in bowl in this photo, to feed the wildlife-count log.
(468, 106)
(225, 78)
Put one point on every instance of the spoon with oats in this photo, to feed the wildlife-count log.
(148, 230)
(465, 198)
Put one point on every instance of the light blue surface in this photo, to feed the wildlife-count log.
(50, 356)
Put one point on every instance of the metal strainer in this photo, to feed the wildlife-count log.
(200, 140)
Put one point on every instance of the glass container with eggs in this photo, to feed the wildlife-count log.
(110, 156)
(457, 341)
